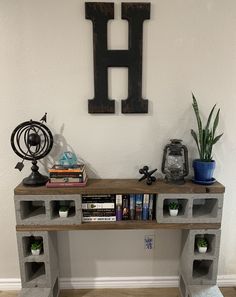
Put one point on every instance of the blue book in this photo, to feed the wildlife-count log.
(145, 206)
(138, 206)
(132, 206)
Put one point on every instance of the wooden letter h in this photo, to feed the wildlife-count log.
(100, 13)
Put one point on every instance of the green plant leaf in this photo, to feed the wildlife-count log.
(216, 121)
(193, 133)
(217, 138)
(209, 117)
(199, 122)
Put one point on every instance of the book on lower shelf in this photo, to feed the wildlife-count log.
(98, 208)
(118, 207)
(99, 219)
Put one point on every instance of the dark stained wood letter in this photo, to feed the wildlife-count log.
(100, 13)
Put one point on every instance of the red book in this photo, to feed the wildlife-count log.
(65, 185)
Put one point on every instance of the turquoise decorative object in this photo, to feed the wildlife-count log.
(68, 159)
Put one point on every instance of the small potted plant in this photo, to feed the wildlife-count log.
(205, 139)
(63, 211)
(36, 247)
(173, 209)
(202, 245)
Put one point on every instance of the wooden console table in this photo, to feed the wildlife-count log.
(200, 216)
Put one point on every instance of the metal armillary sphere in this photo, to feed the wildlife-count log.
(32, 141)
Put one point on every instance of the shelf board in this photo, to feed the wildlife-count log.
(120, 225)
(122, 186)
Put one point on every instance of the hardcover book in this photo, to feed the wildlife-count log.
(99, 219)
(65, 184)
(138, 206)
(98, 213)
(119, 207)
(98, 199)
(125, 207)
(71, 168)
(151, 202)
(132, 206)
(145, 206)
(98, 205)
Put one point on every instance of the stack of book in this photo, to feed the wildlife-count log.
(67, 176)
(98, 208)
(135, 207)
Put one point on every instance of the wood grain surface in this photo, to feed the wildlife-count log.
(160, 292)
(122, 186)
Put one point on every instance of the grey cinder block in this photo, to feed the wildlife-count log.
(38, 271)
(43, 209)
(35, 292)
(41, 292)
(196, 268)
(194, 208)
(204, 291)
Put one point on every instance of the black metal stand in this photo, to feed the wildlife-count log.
(35, 179)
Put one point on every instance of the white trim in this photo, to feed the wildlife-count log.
(119, 282)
(14, 284)
(10, 284)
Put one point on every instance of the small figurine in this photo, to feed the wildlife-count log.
(147, 175)
(67, 159)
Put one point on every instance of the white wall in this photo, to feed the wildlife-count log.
(46, 64)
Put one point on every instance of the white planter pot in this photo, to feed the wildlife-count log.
(36, 252)
(63, 214)
(173, 212)
(202, 249)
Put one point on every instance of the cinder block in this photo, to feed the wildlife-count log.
(38, 271)
(194, 208)
(204, 291)
(35, 292)
(196, 268)
(43, 209)
(41, 292)
(183, 288)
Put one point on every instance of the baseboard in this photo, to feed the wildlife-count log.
(10, 284)
(14, 284)
(119, 282)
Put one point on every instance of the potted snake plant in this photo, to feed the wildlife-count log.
(205, 139)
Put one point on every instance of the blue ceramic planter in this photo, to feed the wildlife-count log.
(203, 171)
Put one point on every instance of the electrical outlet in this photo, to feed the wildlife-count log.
(149, 242)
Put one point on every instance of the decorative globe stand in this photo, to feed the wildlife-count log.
(32, 141)
(35, 178)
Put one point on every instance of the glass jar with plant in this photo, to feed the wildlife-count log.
(205, 139)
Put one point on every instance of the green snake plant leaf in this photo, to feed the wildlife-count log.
(193, 133)
(199, 121)
(209, 117)
(217, 138)
(216, 121)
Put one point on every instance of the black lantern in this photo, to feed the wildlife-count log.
(175, 161)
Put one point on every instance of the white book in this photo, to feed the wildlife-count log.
(99, 219)
(98, 205)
